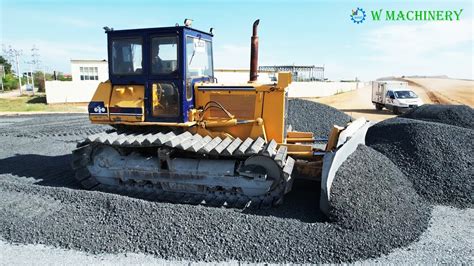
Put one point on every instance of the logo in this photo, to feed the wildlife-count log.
(99, 110)
(358, 15)
(416, 15)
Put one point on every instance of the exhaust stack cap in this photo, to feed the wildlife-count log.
(254, 53)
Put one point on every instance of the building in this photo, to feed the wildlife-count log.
(86, 76)
(299, 73)
(93, 70)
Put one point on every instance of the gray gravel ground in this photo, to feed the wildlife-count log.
(437, 158)
(68, 126)
(449, 240)
(103, 223)
(98, 222)
(456, 115)
(309, 116)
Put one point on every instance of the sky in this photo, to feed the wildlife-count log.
(296, 32)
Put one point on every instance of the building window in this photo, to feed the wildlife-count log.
(89, 73)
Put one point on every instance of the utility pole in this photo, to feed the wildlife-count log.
(17, 53)
(35, 61)
(2, 70)
(32, 78)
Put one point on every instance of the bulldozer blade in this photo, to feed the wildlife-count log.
(348, 141)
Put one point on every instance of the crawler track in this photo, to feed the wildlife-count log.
(132, 178)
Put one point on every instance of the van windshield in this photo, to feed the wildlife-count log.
(405, 95)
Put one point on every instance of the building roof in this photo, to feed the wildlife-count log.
(88, 60)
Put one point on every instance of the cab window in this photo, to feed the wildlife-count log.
(127, 56)
(164, 55)
(390, 94)
(199, 57)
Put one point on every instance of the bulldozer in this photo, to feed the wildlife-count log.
(178, 135)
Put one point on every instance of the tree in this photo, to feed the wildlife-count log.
(61, 77)
(39, 80)
(6, 65)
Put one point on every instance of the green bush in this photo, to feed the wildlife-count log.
(10, 82)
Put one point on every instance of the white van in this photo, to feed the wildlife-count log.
(394, 95)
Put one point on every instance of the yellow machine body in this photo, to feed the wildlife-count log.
(248, 110)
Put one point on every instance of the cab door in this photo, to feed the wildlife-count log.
(389, 97)
(163, 86)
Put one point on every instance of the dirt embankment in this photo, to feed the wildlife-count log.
(431, 90)
(445, 91)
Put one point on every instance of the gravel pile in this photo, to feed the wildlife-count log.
(98, 222)
(370, 192)
(370, 196)
(456, 115)
(309, 116)
(437, 158)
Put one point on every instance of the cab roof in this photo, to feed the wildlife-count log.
(156, 30)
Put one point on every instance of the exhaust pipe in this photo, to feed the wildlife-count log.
(254, 53)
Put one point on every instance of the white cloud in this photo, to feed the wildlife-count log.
(429, 48)
(420, 38)
(55, 55)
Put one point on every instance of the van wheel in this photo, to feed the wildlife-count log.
(395, 110)
(378, 107)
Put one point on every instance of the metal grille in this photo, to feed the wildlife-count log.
(241, 106)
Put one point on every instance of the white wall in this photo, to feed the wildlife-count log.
(320, 88)
(70, 91)
(81, 91)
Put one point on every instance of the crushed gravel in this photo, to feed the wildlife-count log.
(98, 222)
(369, 192)
(456, 115)
(437, 158)
(49, 125)
(309, 116)
(448, 241)
(375, 208)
